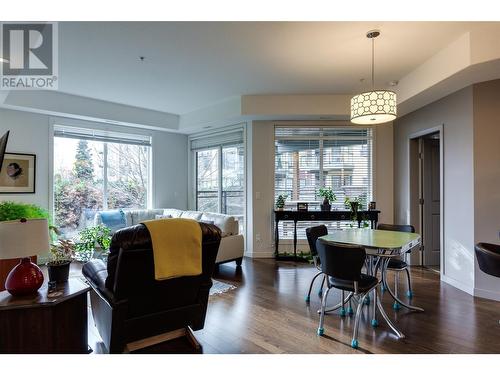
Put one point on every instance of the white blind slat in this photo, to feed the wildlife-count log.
(307, 158)
(217, 139)
(101, 135)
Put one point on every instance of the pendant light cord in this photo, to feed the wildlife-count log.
(373, 63)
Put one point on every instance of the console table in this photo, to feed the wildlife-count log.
(335, 215)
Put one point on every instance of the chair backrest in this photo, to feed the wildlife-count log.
(131, 268)
(488, 258)
(397, 227)
(341, 261)
(312, 234)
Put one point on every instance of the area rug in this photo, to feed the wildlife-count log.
(220, 287)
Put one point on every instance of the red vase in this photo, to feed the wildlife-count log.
(25, 278)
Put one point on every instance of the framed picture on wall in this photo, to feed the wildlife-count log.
(18, 174)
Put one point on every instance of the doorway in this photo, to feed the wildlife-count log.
(426, 196)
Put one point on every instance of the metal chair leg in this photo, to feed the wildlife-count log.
(409, 293)
(350, 310)
(321, 330)
(375, 301)
(396, 306)
(308, 297)
(320, 290)
(354, 341)
(342, 309)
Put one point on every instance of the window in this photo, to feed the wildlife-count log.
(220, 172)
(96, 170)
(307, 158)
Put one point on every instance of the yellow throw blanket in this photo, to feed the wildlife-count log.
(176, 247)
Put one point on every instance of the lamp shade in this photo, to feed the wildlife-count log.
(373, 107)
(23, 238)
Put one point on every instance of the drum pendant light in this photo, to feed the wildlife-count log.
(376, 106)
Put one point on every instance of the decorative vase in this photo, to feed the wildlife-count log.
(325, 206)
(25, 278)
(59, 272)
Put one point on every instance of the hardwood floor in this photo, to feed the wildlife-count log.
(267, 314)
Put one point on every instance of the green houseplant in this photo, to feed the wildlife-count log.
(280, 202)
(92, 240)
(355, 204)
(328, 197)
(14, 211)
(61, 256)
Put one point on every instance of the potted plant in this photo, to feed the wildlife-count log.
(280, 202)
(328, 197)
(92, 240)
(14, 211)
(62, 254)
(354, 205)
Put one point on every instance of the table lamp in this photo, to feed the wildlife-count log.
(22, 239)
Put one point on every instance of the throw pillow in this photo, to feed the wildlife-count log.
(163, 217)
(113, 219)
(207, 221)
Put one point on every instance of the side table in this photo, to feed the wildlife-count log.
(41, 323)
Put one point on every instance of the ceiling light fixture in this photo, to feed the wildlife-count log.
(376, 106)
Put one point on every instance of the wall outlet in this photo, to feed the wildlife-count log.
(257, 195)
(257, 237)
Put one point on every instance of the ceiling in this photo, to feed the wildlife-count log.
(192, 65)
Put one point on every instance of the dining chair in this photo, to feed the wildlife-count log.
(398, 264)
(342, 264)
(312, 234)
(488, 258)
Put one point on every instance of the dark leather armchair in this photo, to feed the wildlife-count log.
(128, 304)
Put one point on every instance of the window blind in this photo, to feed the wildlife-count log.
(101, 135)
(307, 158)
(222, 138)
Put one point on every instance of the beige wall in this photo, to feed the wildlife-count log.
(260, 182)
(383, 186)
(486, 177)
(454, 113)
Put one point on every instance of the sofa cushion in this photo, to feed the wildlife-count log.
(173, 212)
(138, 216)
(195, 215)
(226, 223)
(158, 217)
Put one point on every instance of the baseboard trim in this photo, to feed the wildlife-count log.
(260, 254)
(457, 284)
(488, 294)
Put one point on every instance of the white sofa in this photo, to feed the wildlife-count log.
(231, 247)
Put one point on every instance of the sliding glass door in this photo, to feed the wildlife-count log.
(220, 178)
(207, 180)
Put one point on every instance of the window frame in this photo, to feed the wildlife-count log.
(82, 124)
(372, 136)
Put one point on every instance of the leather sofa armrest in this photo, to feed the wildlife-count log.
(96, 273)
